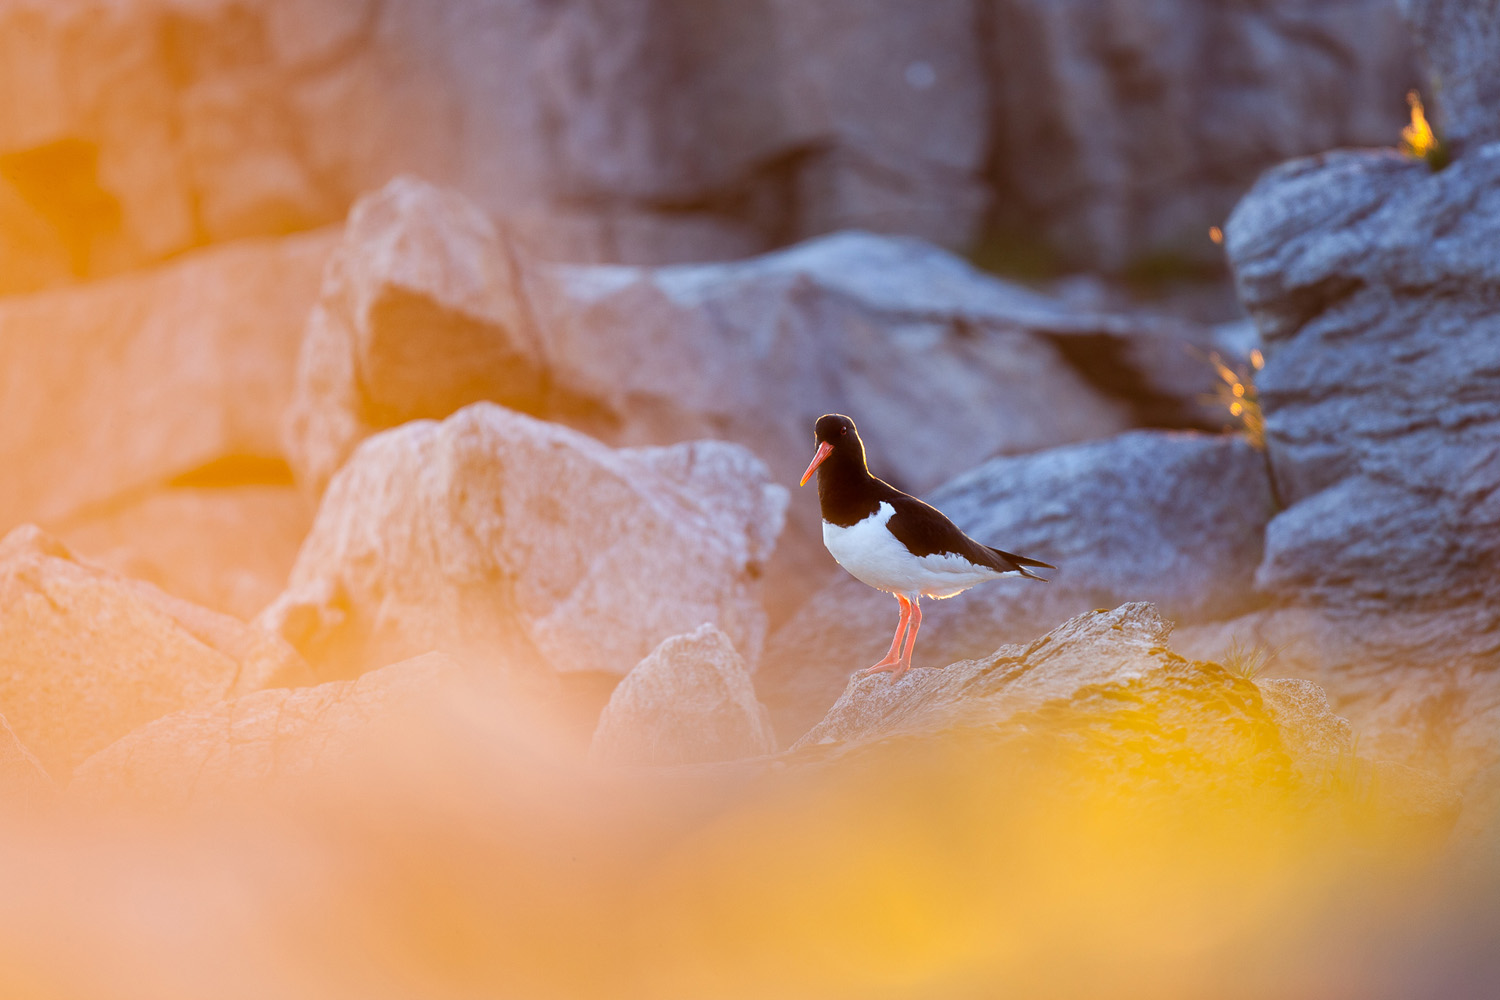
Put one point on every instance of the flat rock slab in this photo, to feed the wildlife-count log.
(86, 656)
(501, 538)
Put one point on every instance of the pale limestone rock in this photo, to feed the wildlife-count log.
(504, 539)
(690, 702)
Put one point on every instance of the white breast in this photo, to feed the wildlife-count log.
(875, 557)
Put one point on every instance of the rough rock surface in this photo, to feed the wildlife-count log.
(88, 656)
(259, 738)
(228, 548)
(493, 535)
(690, 702)
(1176, 518)
(1372, 282)
(669, 131)
(1107, 683)
(130, 382)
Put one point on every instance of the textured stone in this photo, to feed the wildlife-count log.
(689, 702)
(1173, 517)
(261, 738)
(133, 381)
(500, 538)
(88, 656)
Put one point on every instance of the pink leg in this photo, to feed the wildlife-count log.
(893, 657)
(915, 622)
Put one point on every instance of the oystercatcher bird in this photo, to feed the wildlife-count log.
(895, 542)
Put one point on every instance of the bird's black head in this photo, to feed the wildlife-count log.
(834, 428)
(836, 436)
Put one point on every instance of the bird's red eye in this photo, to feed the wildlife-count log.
(843, 430)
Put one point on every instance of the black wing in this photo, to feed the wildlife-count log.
(925, 531)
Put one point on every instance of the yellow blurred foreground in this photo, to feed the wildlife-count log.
(461, 854)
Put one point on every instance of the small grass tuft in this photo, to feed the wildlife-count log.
(1235, 391)
(1247, 660)
(1420, 140)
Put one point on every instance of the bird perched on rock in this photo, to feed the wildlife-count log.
(895, 542)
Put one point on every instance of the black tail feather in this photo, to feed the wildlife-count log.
(1021, 562)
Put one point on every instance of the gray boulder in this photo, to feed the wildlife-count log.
(1176, 518)
(690, 702)
(503, 539)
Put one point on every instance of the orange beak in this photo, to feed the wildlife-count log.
(824, 450)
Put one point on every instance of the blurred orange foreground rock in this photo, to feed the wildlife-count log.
(86, 656)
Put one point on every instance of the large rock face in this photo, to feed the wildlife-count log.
(258, 739)
(88, 656)
(1129, 129)
(689, 702)
(669, 131)
(505, 539)
(133, 381)
(1173, 517)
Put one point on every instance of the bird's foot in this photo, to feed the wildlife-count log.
(895, 667)
(881, 667)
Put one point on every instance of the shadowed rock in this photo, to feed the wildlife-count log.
(502, 538)
(88, 656)
(689, 702)
(1173, 517)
